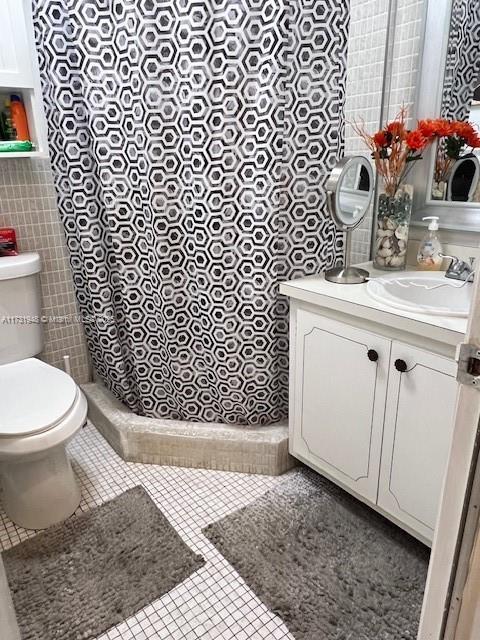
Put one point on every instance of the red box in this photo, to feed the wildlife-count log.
(8, 242)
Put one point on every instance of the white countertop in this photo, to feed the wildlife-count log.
(353, 299)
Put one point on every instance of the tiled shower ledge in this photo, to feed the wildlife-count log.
(262, 449)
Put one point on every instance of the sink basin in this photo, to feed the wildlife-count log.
(419, 292)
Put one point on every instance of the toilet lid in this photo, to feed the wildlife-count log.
(34, 397)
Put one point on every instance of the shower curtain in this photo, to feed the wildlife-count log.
(190, 143)
(462, 68)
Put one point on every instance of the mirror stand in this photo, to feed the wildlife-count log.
(347, 274)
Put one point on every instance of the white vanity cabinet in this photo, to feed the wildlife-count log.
(372, 404)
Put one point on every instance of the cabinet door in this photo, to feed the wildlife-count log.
(15, 44)
(339, 400)
(417, 436)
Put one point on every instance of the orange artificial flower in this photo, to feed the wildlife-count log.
(394, 150)
(464, 130)
(381, 139)
(474, 141)
(427, 127)
(437, 127)
(416, 140)
(443, 128)
(396, 129)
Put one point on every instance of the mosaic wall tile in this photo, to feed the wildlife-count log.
(28, 203)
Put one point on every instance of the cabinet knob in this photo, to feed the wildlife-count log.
(372, 355)
(401, 365)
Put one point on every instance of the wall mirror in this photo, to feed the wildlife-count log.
(448, 182)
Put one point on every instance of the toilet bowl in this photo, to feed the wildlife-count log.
(42, 409)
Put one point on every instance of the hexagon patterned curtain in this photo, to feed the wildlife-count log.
(190, 142)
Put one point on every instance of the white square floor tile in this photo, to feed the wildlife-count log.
(213, 603)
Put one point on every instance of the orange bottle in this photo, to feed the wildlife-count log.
(19, 118)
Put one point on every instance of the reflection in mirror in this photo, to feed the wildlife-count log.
(462, 65)
(463, 180)
(354, 193)
(456, 164)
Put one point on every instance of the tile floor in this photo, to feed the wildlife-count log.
(213, 603)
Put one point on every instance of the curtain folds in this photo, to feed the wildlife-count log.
(190, 144)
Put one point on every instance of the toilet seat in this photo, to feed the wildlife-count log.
(35, 397)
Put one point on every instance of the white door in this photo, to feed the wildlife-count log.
(439, 620)
(15, 61)
(422, 391)
(339, 399)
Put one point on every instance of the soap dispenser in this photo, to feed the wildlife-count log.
(429, 256)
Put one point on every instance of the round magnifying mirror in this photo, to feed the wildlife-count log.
(349, 194)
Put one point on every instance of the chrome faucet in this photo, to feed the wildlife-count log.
(459, 269)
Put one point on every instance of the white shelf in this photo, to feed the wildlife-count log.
(22, 154)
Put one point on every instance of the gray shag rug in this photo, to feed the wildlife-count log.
(327, 565)
(77, 579)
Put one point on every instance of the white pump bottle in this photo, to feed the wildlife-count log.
(429, 256)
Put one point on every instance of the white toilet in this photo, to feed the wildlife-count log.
(41, 407)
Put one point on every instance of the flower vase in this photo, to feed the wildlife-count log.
(393, 220)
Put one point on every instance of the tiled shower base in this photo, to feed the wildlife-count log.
(213, 603)
(205, 445)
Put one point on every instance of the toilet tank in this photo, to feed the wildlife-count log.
(21, 328)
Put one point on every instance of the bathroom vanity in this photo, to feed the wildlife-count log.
(372, 396)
